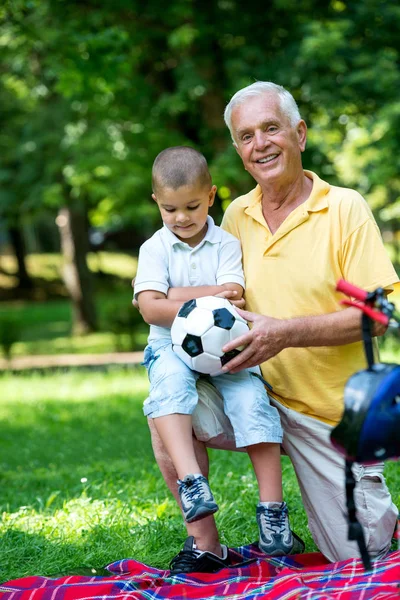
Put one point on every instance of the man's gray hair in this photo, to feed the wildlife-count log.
(287, 102)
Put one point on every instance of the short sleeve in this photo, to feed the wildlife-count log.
(230, 269)
(365, 262)
(152, 272)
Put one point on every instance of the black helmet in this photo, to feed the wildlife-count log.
(369, 430)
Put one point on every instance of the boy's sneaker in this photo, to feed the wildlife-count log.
(196, 498)
(276, 537)
(191, 560)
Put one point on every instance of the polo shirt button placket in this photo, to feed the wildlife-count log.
(193, 275)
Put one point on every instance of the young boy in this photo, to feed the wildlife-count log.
(188, 258)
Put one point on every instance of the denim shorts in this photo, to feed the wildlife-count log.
(245, 400)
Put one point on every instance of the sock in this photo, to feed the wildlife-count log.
(274, 504)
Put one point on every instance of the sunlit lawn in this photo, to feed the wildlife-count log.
(79, 485)
(48, 266)
(45, 327)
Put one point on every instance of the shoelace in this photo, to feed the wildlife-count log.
(185, 560)
(274, 519)
(194, 488)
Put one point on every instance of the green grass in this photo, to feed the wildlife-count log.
(45, 327)
(48, 266)
(79, 484)
(80, 487)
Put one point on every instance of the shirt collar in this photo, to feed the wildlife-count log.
(316, 201)
(213, 235)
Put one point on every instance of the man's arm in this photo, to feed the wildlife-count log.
(270, 336)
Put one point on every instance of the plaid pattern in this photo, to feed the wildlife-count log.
(301, 577)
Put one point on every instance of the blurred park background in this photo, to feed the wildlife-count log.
(90, 93)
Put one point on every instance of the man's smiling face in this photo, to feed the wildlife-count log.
(269, 146)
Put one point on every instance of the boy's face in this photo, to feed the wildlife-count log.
(184, 211)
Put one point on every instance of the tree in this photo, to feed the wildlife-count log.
(93, 92)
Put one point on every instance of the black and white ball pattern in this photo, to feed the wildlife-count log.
(200, 330)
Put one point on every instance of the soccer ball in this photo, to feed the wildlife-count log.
(200, 330)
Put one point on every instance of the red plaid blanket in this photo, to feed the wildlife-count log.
(301, 577)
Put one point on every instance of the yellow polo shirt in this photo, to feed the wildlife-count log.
(293, 273)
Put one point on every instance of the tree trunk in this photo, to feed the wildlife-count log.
(18, 244)
(72, 223)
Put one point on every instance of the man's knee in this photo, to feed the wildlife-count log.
(376, 511)
(159, 450)
(210, 423)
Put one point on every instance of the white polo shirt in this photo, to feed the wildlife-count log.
(166, 261)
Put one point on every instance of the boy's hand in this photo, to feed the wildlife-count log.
(230, 295)
(238, 303)
(135, 303)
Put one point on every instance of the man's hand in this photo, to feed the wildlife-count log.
(266, 339)
(270, 336)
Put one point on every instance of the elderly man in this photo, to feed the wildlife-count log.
(299, 235)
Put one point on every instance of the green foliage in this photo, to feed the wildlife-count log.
(91, 97)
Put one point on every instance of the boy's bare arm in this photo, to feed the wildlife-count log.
(188, 293)
(156, 309)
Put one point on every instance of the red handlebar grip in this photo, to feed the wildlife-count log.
(373, 314)
(351, 290)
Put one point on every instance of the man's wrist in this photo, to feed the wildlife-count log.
(286, 333)
(292, 332)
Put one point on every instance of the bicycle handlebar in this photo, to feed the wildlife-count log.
(351, 290)
(374, 304)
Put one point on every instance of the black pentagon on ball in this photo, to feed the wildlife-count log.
(223, 318)
(192, 345)
(228, 356)
(187, 308)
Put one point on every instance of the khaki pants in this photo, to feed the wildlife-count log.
(320, 472)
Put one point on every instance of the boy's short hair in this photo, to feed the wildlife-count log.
(178, 166)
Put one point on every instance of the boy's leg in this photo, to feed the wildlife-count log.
(266, 461)
(204, 531)
(257, 428)
(197, 500)
(172, 399)
(176, 435)
(321, 475)
(276, 536)
(257, 425)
